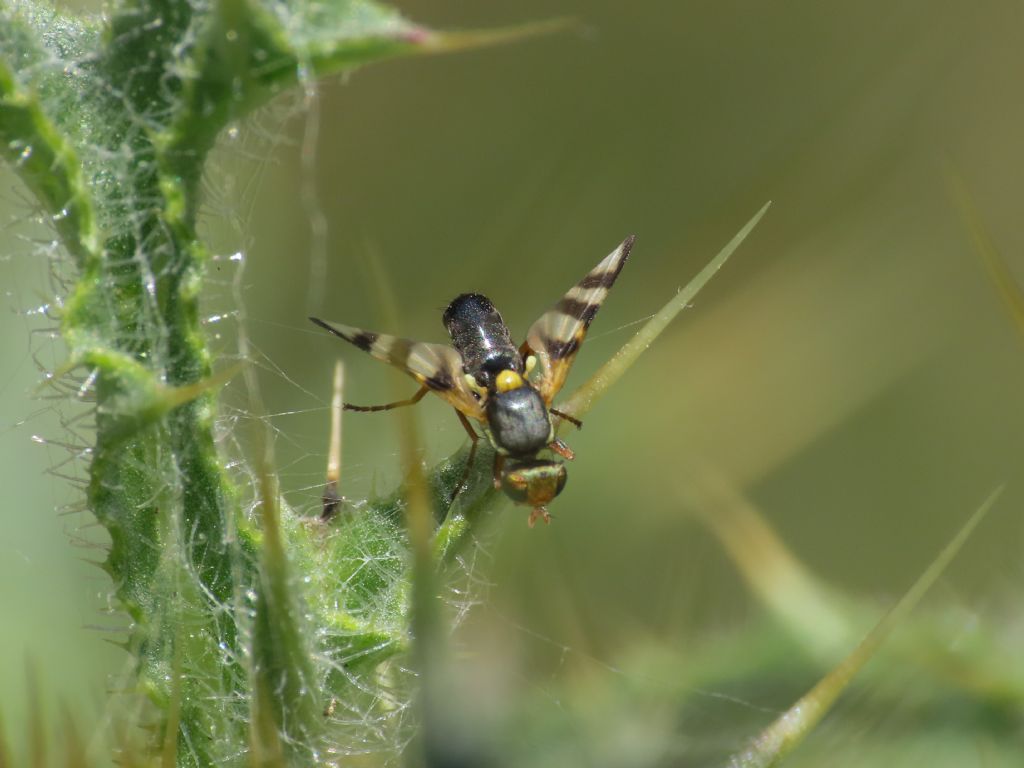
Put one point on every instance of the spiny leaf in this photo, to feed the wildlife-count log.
(267, 750)
(425, 608)
(284, 682)
(169, 748)
(795, 596)
(74, 749)
(109, 122)
(453, 41)
(36, 721)
(49, 164)
(789, 730)
(998, 270)
(580, 401)
(136, 399)
(253, 49)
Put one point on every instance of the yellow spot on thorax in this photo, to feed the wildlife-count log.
(508, 380)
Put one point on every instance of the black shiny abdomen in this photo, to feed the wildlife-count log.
(518, 421)
(481, 337)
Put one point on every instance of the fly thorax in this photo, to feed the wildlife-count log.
(518, 421)
(481, 338)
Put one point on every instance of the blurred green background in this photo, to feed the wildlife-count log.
(851, 369)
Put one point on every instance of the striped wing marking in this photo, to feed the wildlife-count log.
(557, 336)
(436, 366)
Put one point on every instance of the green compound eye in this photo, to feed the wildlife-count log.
(533, 482)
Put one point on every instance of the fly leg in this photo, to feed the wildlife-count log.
(538, 512)
(388, 406)
(475, 438)
(571, 419)
(499, 465)
(558, 446)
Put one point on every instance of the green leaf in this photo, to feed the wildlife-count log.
(32, 143)
(813, 613)
(109, 121)
(580, 401)
(995, 265)
(250, 50)
(793, 726)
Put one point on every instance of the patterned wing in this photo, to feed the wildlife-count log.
(436, 366)
(556, 337)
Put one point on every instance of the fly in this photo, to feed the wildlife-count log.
(507, 390)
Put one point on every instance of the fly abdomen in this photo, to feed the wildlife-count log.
(481, 337)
